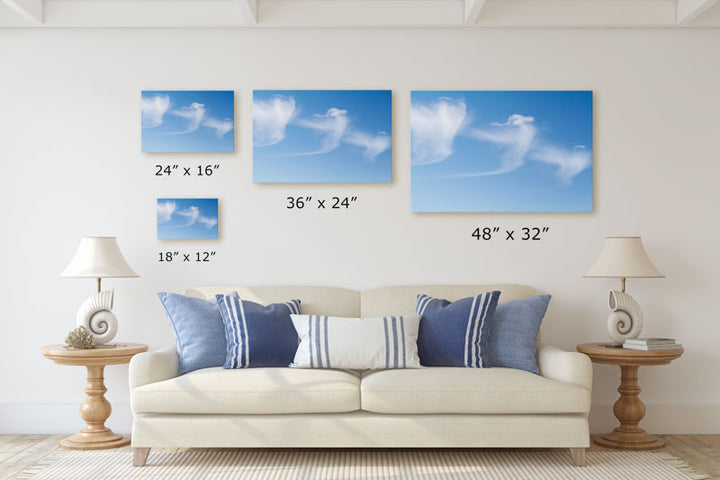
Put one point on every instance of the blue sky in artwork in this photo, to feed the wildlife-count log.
(188, 121)
(187, 218)
(316, 136)
(502, 151)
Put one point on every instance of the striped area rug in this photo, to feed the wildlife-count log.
(357, 464)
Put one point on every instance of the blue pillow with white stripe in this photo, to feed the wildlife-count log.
(455, 334)
(257, 335)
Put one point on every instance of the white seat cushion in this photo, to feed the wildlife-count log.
(468, 390)
(252, 391)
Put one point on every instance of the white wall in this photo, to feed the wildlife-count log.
(71, 165)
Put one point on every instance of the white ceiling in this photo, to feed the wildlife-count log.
(359, 13)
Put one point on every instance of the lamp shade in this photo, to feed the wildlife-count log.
(623, 257)
(98, 257)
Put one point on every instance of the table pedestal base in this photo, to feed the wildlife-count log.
(630, 441)
(95, 409)
(83, 441)
(629, 410)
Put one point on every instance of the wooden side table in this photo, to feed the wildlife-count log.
(95, 409)
(629, 410)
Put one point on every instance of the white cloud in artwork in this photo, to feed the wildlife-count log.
(193, 216)
(568, 162)
(165, 211)
(515, 137)
(373, 145)
(221, 127)
(192, 213)
(270, 118)
(332, 125)
(434, 128)
(154, 109)
(194, 114)
(208, 222)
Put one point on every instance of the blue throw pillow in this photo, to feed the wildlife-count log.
(514, 332)
(454, 334)
(199, 331)
(258, 336)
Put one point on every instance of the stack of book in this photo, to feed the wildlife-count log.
(651, 344)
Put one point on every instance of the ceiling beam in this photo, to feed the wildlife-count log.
(472, 10)
(249, 8)
(29, 9)
(689, 10)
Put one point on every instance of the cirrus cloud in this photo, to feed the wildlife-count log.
(153, 110)
(270, 119)
(436, 125)
(373, 145)
(515, 138)
(165, 211)
(332, 126)
(433, 129)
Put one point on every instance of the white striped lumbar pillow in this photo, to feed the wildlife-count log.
(356, 343)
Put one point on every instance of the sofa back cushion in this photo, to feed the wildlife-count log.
(338, 302)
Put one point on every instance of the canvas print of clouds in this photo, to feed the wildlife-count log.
(188, 121)
(314, 136)
(502, 151)
(187, 218)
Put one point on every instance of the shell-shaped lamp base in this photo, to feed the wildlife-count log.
(626, 319)
(96, 315)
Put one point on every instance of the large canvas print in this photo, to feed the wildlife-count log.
(316, 136)
(188, 121)
(502, 151)
(187, 218)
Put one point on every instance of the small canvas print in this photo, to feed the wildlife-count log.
(318, 136)
(188, 121)
(502, 151)
(187, 218)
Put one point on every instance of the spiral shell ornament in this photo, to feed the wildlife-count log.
(626, 319)
(95, 314)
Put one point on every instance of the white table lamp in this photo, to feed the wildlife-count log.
(623, 257)
(98, 257)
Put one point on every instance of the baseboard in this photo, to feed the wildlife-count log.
(37, 418)
(677, 418)
(65, 419)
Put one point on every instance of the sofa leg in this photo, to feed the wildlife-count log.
(140, 456)
(578, 456)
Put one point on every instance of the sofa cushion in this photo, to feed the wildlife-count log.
(469, 390)
(251, 391)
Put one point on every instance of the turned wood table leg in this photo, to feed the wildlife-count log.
(95, 409)
(629, 410)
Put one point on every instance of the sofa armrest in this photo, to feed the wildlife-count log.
(569, 367)
(151, 367)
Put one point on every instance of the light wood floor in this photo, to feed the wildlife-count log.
(19, 451)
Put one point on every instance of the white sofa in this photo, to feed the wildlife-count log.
(435, 407)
